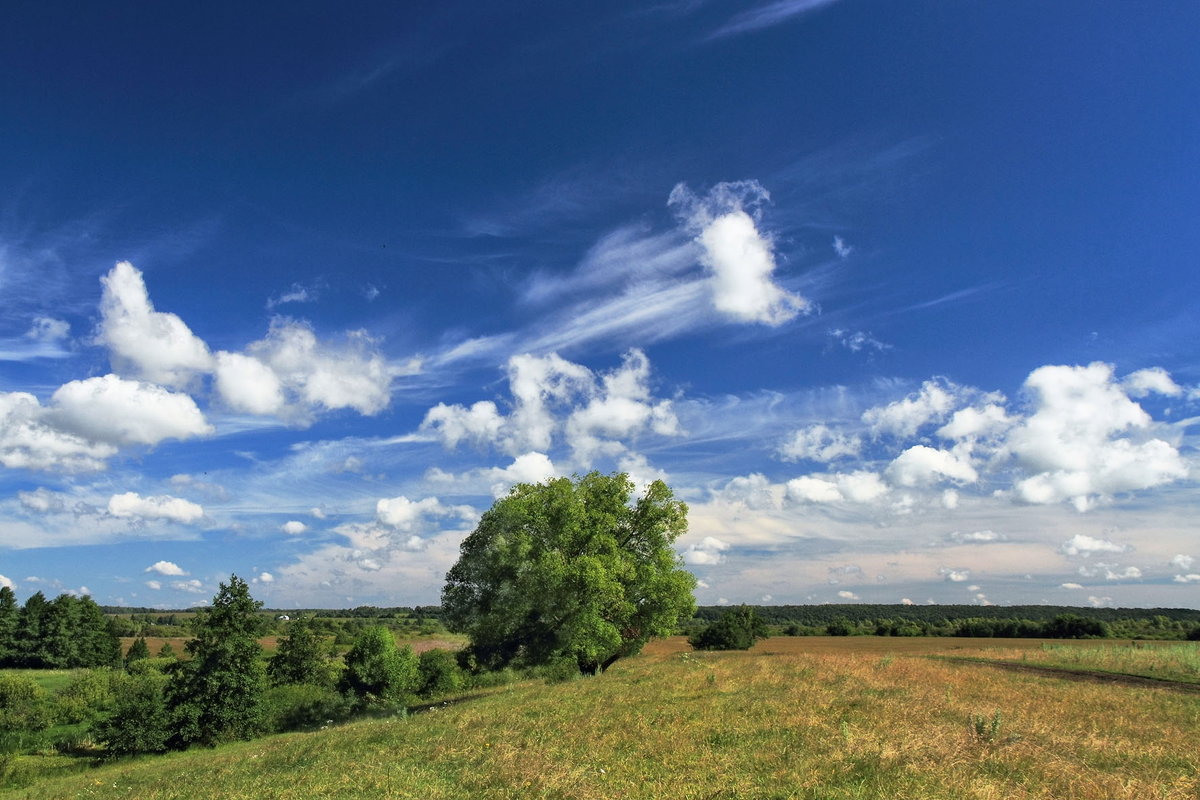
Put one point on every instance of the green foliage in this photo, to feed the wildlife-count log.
(87, 696)
(737, 629)
(67, 633)
(24, 706)
(9, 614)
(138, 650)
(1194, 634)
(570, 568)
(140, 720)
(301, 657)
(297, 706)
(984, 730)
(215, 696)
(166, 651)
(379, 673)
(440, 673)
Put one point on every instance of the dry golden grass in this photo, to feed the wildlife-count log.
(801, 718)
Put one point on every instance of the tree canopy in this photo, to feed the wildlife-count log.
(571, 568)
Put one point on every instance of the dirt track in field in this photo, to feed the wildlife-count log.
(1089, 676)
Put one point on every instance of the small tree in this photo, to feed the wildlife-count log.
(570, 569)
(137, 651)
(737, 629)
(377, 672)
(215, 696)
(300, 657)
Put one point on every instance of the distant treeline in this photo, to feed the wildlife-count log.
(1051, 622)
(63, 633)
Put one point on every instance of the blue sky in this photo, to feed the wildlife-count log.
(900, 298)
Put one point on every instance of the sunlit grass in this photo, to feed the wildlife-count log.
(677, 724)
(1179, 661)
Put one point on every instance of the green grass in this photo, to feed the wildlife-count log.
(52, 680)
(1178, 661)
(823, 725)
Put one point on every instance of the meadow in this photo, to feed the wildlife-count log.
(812, 718)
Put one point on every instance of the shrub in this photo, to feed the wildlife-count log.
(737, 629)
(87, 696)
(139, 721)
(24, 706)
(439, 672)
(297, 706)
(379, 673)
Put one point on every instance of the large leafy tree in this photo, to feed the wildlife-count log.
(378, 672)
(571, 568)
(216, 695)
(301, 657)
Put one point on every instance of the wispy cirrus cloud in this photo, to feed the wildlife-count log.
(767, 16)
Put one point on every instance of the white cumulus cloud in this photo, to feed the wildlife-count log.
(165, 568)
(148, 344)
(820, 443)
(903, 418)
(293, 527)
(710, 550)
(163, 507)
(739, 257)
(922, 466)
(117, 411)
(1083, 545)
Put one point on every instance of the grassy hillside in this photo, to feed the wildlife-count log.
(782, 721)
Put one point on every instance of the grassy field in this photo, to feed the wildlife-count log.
(1171, 661)
(818, 719)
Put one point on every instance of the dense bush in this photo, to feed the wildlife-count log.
(24, 706)
(297, 706)
(139, 722)
(440, 673)
(301, 657)
(737, 629)
(379, 673)
(87, 696)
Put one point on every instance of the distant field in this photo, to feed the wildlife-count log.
(805, 718)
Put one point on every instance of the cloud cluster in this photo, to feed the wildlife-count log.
(596, 413)
(162, 507)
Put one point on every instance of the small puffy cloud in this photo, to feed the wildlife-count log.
(819, 443)
(1182, 562)
(479, 424)
(1189, 578)
(246, 384)
(155, 585)
(903, 418)
(162, 507)
(6, 582)
(976, 423)
(1129, 573)
(117, 411)
(404, 514)
(192, 587)
(265, 577)
(739, 257)
(621, 408)
(1154, 380)
(48, 330)
(165, 568)
(955, 575)
(525, 468)
(904, 601)
(1072, 586)
(840, 247)
(293, 527)
(846, 595)
(949, 499)
(1083, 545)
(149, 344)
(921, 466)
(751, 491)
(1100, 602)
(808, 489)
(710, 550)
(853, 487)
